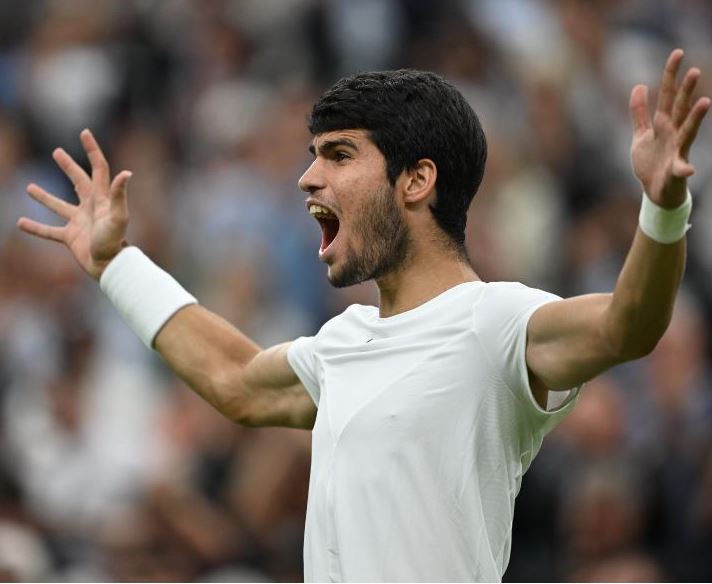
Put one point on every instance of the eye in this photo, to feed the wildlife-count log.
(340, 156)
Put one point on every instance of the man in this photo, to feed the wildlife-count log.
(427, 410)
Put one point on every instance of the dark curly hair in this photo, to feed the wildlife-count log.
(410, 115)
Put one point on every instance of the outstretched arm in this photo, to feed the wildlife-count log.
(247, 384)
(573, 340)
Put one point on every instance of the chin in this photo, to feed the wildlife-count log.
(336, 279)
(344, 277)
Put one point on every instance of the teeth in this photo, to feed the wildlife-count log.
(321, 212)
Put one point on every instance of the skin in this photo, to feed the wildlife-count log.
(374, 236)
(382, 224)
(568, 342)
(349, 179)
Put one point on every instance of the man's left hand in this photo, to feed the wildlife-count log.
(661, 144)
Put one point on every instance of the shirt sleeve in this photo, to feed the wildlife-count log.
(302, 358)
(500, 319)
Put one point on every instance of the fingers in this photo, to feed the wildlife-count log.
(99, 165)
(41, 230)
(74, 172)
(119, 194)
(682, 104)
(691, 125)
(668, 86)
(55, 204)
(676, 102)
(639, 111)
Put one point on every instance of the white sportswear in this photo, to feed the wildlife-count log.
(425, 426)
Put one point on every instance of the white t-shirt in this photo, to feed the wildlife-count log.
(425, 426)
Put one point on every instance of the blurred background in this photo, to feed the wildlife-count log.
(110, 469)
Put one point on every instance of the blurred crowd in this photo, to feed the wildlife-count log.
(111, 469)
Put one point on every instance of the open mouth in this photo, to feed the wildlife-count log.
(329, 223)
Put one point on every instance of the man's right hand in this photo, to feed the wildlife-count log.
(96, 228)
(249, 385)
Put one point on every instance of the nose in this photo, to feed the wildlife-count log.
(312, 179)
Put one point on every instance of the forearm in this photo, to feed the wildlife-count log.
(210, 355)
(246, 384)
(570, 341)
(643, 299)
(207, 352)
(573, 340)
(645, 293)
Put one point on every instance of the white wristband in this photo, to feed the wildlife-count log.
(664, 225)
(144, 294)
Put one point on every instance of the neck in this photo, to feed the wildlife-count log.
(425, 276)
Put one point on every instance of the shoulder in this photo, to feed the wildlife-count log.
(339, 331)
(503, 303)
(512, 295)
(351, 321)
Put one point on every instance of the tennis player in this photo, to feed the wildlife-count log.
(426, 410)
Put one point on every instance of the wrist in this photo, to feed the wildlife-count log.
(665, 225)
(145, 295)
(100, 265)
(668, 195)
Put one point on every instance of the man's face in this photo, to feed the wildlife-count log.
(364, 233)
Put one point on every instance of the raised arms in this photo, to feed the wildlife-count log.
(571, 341)
(247, 384)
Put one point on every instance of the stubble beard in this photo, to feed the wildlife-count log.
(385, 239)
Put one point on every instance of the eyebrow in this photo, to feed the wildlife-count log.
(328, 146)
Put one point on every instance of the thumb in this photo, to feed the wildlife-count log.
(682, 169)
(118, 193)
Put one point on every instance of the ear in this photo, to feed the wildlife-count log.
(419, 182)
